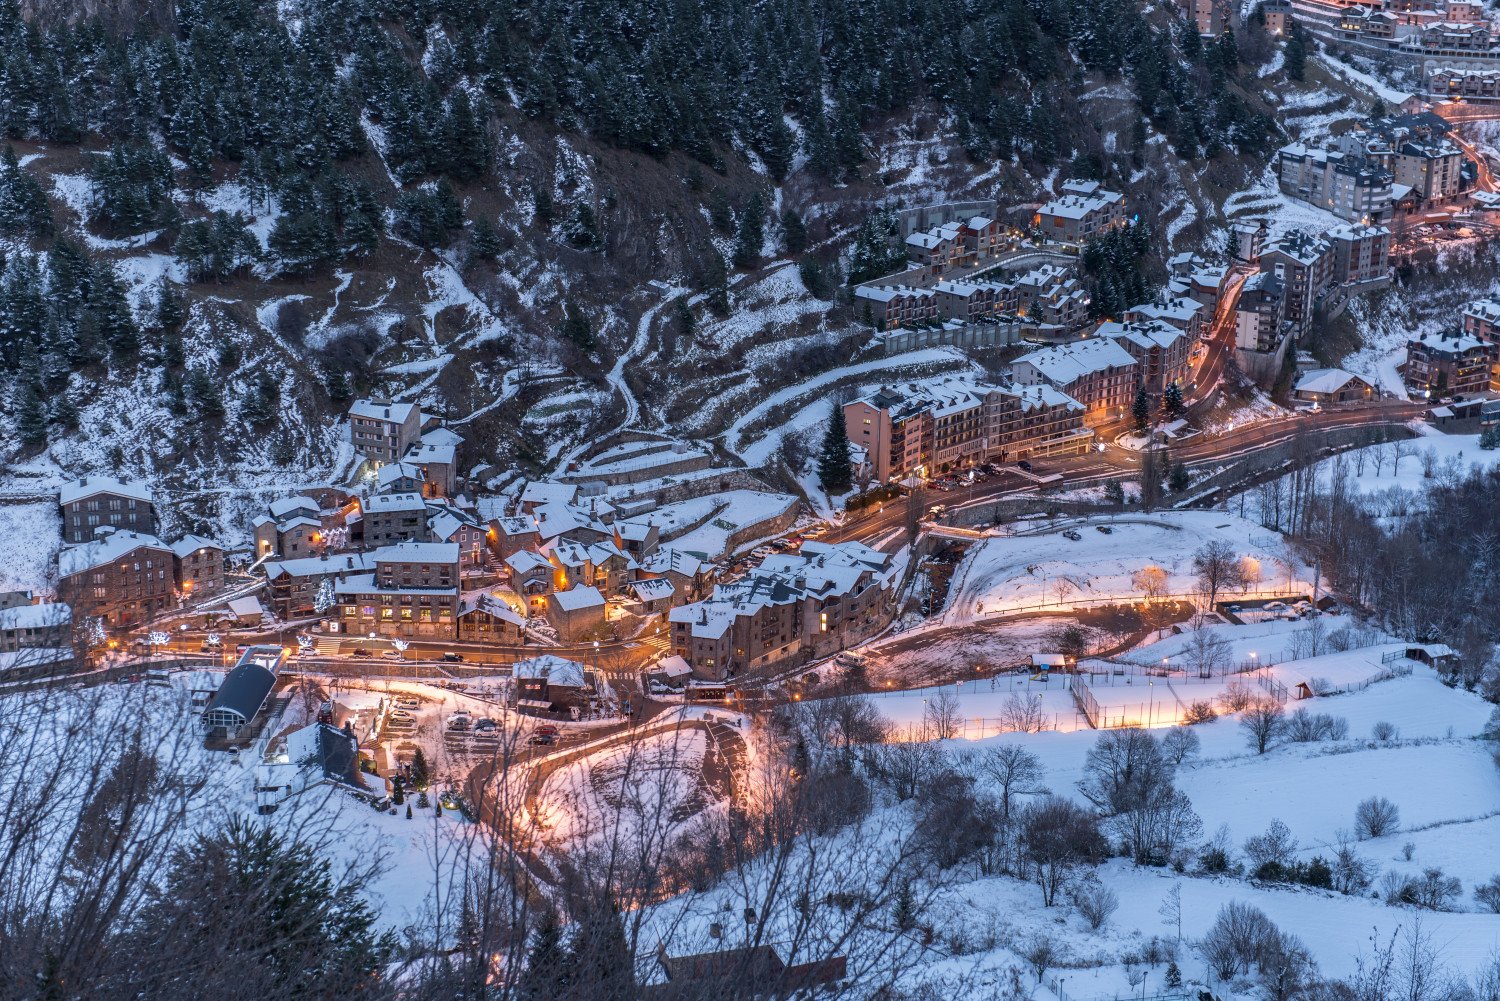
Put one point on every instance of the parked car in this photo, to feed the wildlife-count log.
(547, 728)
(1023, 464)
(458, 723)
(360, 651)
(484, 725)
(453, 658)
(393, 654)
(1071, 534)
(1105, 529)
(542, 739)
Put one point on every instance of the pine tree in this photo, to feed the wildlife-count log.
(485, 242)
(1114, 493)
(905, 914)
(582, 228)
(1172, 400)
(31, 415)
(835, 473)
(1295, 62)
(1178, 480)
(23, 206)
(793, 232)
(716, 284)
(418, 773)
(65, 411)
(576, 328)
(169, 309)
(599, 955)
(1140, 411)
(546, 974)
(1173, 976)
(751, 232)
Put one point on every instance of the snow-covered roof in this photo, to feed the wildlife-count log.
(1486, 310)
(1064, 364)
(1447, 341)
(46, 615)
(394, 502)
(366, 584)
(288, 505)
(526, 561)
(1326, 380)
(90, 485)
(518, 525)
(313, 566)
(552, 669)
(654, 588)
(424, 453)
(417, 552)
(549, 492)
(189, 544)
(673, 560)
(578, 598)
(493, 606)
(442, 436)
(1178, 311)
(1351, 231)
(105, 549)
(393, 472)
(1144, 334)
(673, 667)
(382, 411)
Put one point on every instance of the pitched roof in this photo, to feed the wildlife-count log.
(417, 552)
(47, 615)
(525, 560)
(309, 566)
(1326, 380)
(289, 505)
(334, 753)
(189, 544)
(90, 485)
(381, 410)
(552, 669)
(483, 601)
(394, 502)
(578, 598)
(1064, 364)
(105, 549)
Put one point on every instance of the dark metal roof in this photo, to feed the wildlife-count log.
(245, 688)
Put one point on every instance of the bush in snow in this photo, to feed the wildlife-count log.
(1237, 938)
(1303, 727)
(1271, 854)
(1384, 732)
(1237, 695)
(1375, 817)
(1431, 890)
(1352, 874)
(1488, 894)
(1095, 901)
(1199, 712)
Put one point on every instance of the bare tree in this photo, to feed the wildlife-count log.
(1218, 568)
(1263, 721)
(1095, 901)
(1014, 770)
(1057, 838)
(942, 717)
(1023, 714)
(1178, 744)
(1208, 652)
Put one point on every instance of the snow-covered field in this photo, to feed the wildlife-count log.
(1045, 570)
(33, 534)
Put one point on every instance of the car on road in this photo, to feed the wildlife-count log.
(360, 651)
(1072, 534)
(542, 739)
(393, 654)
(1023, 464)
(1105, 529)
(453, 658)
(548, 728)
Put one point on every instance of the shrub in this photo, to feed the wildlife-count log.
(1304, 727)
(1178, 744)
(1375, 817)
(1199, 712)
(1488, 894)
(1385, 732)
(1237, 695)
(1095, 901)
(1432, 890)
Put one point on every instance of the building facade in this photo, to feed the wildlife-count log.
(96, 502)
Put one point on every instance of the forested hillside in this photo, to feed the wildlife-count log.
(224, 197)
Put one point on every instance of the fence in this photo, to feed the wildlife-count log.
(1055, 985)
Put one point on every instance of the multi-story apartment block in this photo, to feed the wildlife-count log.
(1083, 212)
(1211, 16)
(1161, 351)
(932, 427)
(121, 577)
(1260, 315)
(1432, 169)
(1481, 319)
(1360, 254)
(812, 603)
(890, 306)
(48, 625)
(96, 502)
(382, 431)
(955, 244)
(1305, 265)
(1051, 295)
(1183, 312)
(1449, 38)
(305, 525)
(413, 593)
(1450, 363)
(1349, 185)
(1097, 372)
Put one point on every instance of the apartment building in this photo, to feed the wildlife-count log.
(1304, 264)
(47, 625)
(381, 431)
(96, 502)
(1211, 16)
(394, 517)
(413, 593)
(797, 605)
(122, 577)
(1451, 362)
(1161, 351)
(1359, 254)
(1481, 319)
(1349, 185)
(1052, 295)
(1260, 315)
(956, 244)
(931, 427)
(1084, 211)
(887, 307)
(1433, 169)
(1183, 312)
(1097, 372)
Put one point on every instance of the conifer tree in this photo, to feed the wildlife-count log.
(835, 473)
(751, 232)
(31, 415)
(485, 242)
(1172, 400)
(576, 327)
(546, 975)
(793, 232)
(1140, 411)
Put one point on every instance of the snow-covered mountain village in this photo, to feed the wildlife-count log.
(612, 501)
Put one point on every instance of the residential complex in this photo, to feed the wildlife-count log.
(935, 426)
(1450, 362)
(1084, 211)
(96, 502)
(1097, 372)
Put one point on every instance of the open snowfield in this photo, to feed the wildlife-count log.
(32, 533)
(1017, 573)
